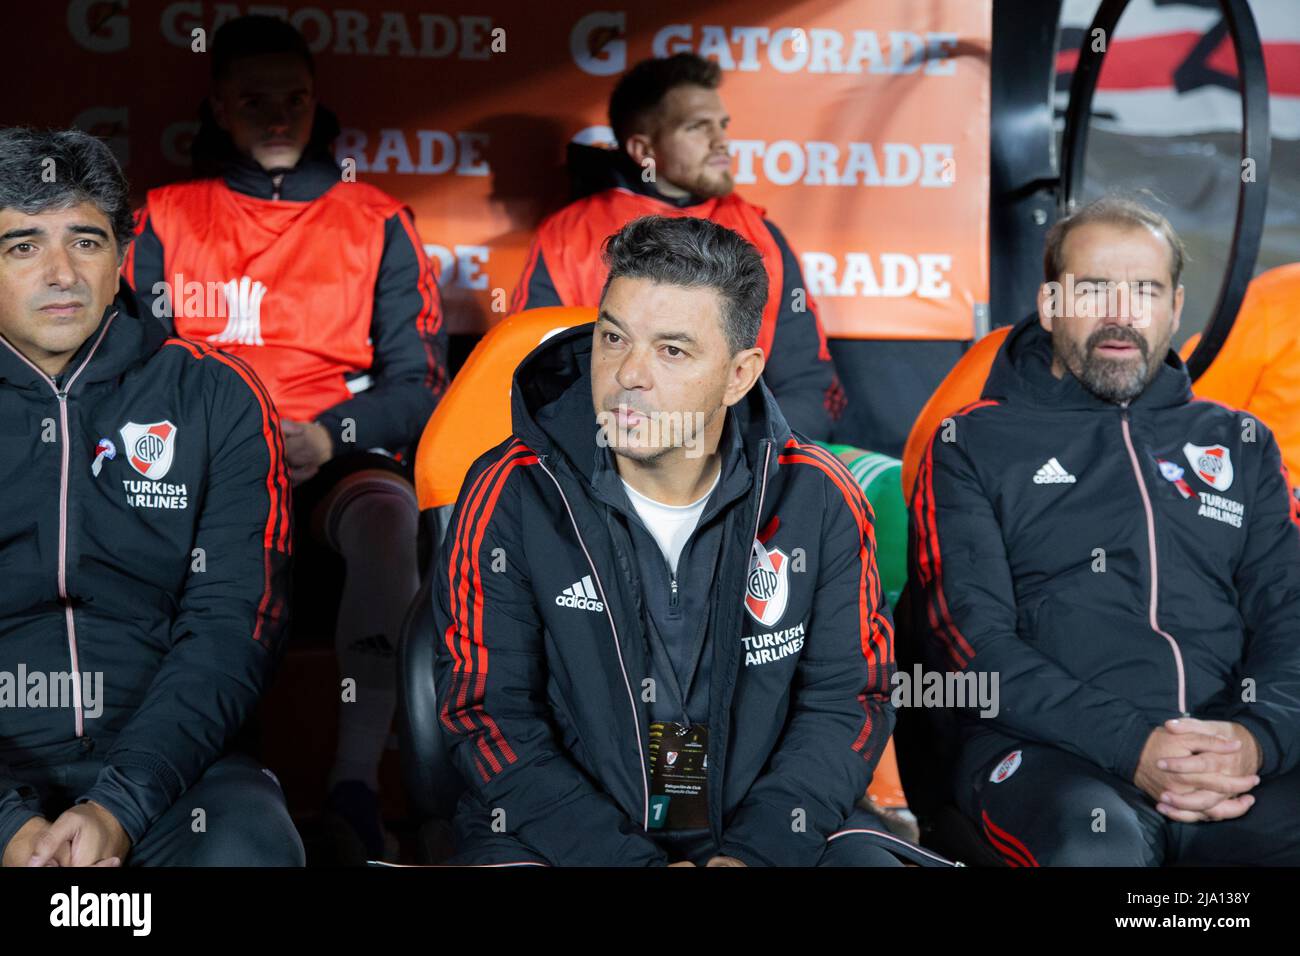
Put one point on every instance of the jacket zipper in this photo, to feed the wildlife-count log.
(762, 488)
(1155, 575)
(618, 650)
(61, 394)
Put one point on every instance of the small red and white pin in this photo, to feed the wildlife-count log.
(104, 449)
(1173, 473)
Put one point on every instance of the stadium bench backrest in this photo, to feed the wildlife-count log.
(963, 385)
(474, 415)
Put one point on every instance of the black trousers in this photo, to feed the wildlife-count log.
(244, 820)
(1058, 809)
(863, 841)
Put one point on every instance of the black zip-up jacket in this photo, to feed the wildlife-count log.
(164, 573)
(540, 679)
(1113, 566)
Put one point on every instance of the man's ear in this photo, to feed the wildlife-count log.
(638, 148)
(746, 367)
(1049, 303)
(1178, 307)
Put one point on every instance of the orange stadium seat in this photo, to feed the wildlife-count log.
(1258, 367)
(474, 414)
(962, 386)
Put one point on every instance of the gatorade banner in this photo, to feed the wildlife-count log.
(861, 126)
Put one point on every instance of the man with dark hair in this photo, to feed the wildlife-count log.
(145, 538)
(661, 634)
(1124, 560)
(325, 290)
(673, 160)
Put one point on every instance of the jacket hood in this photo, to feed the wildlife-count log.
(594, 169)
(122, 340)
(552, 413)
(1022, 372)
(213, 154)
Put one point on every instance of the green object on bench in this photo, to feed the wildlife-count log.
(881, 480)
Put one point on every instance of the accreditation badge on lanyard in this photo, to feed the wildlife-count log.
(679, 750)
(679, 772)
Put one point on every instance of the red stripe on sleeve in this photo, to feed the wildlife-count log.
(465, 634)
(128, 261)
(874, 629)
(876, 639)
(456, 638)
(429, 319)
(929, 556)
(277, 483)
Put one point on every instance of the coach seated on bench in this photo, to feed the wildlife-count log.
(143, 541)
(1124, 560)
(661, 633)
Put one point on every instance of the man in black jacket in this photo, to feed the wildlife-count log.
(661, 634)
(144, 533)
(1124, 561)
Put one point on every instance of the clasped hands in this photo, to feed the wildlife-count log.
(1199, 770)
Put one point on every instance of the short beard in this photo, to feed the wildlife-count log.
(713, 187)
(1117, 382)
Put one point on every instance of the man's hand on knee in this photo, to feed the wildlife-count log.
(1163, 744)
(1199, 770)
(21, 844)
(84, 835)
(1210, 774)
(1242, 761)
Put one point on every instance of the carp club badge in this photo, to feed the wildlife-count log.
(767, 589)
(149, 448)
(1211, 463)
(1009, 764)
